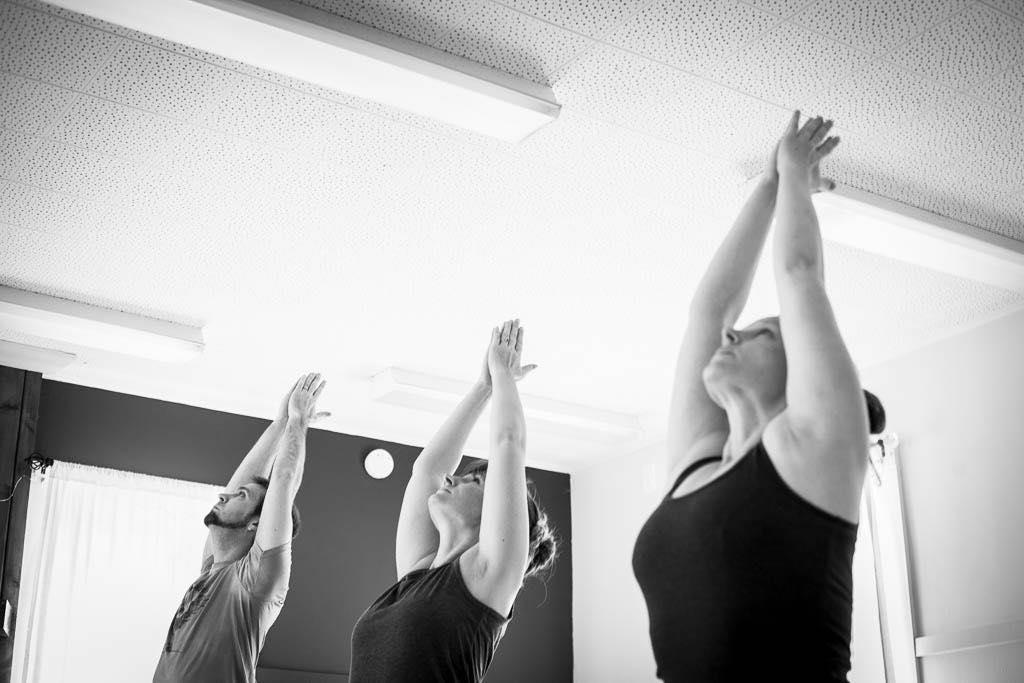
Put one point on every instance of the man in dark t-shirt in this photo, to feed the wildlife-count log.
(220, 627)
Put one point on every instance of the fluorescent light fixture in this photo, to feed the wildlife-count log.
(324, 49)
(883, 226)
(438, 394)
(33, 358)
(81, 324)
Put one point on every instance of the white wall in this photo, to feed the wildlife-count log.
(610, 502)
(958, 407)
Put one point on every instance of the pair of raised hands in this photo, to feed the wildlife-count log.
(800, 150)
(300, 402)
(504, 353)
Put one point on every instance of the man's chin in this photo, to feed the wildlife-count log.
(211, 519)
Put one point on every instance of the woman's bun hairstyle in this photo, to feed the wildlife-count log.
(876, 413)
(543, 542)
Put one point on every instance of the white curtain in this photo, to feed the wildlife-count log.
(108, 557)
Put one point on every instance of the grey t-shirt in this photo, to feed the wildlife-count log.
(219, 628)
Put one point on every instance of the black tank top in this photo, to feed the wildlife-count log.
(745, 580)
(427, 627)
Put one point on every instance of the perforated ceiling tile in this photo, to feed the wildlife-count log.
(37, 209)
(30, 106)
(161, 82)
(692, 36)
(782, 8)
(38, 45)
(15, 149)
(787, 65)
(54, 166)
(514, 43)
(959, 128)
(876, 100)
(595, 153)
(604, 82)
(1013, 7)
(1005, 90)
(592, 18)
(928, 303)
(966, 50)
(116, 130)
(270, 113)
(876, 26)
(425, 21)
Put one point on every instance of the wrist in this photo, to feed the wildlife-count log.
(297, 422)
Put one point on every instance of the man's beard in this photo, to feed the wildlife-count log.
(211, 519)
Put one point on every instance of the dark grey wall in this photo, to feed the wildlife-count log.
(344, 557)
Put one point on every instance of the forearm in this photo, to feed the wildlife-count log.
(444, 450)
(726, 284)
(507, 420)
(260, 458)
(291, 456)
(797, 245)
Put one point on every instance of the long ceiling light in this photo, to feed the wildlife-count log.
(327, 50)
(90, 326)
(883, 226)
(438, 394)
(33, 358)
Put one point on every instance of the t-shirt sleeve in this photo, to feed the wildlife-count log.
(265, 573)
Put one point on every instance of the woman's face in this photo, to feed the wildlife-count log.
(460, 498)
(753, 357)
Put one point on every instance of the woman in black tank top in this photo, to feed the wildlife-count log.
(746, 566)
(465, 543)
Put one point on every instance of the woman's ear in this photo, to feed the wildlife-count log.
(251, 526)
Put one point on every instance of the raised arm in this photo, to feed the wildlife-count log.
(260, 458)
(501, 558)
(416, 539)
(825, 413)
(275, 526)
(697, 427)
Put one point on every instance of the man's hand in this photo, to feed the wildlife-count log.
(302, 400)
(800, 151)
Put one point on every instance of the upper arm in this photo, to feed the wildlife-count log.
(275, 526)
(267, 573)
(825, 403)
(697, 425)
(416, 537)
(501, 558)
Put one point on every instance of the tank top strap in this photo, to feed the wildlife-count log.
(690, 469)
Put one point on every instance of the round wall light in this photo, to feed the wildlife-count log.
(378, 463)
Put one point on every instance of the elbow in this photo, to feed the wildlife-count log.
(802, 267)
(510, 438)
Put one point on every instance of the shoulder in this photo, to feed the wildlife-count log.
(708, 446)
(486, 584)
(826, 471)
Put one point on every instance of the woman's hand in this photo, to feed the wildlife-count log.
(504, 353)
(800, 151)
(302, 400)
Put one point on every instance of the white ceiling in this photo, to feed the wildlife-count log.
(306, 229)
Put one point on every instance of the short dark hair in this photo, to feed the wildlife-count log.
(296, 517)
(543, 542)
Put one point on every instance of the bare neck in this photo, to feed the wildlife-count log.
(749, 415)
(455, 539)
(230, 544)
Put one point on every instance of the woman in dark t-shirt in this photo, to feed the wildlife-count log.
(465, 543)
(746, 566)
